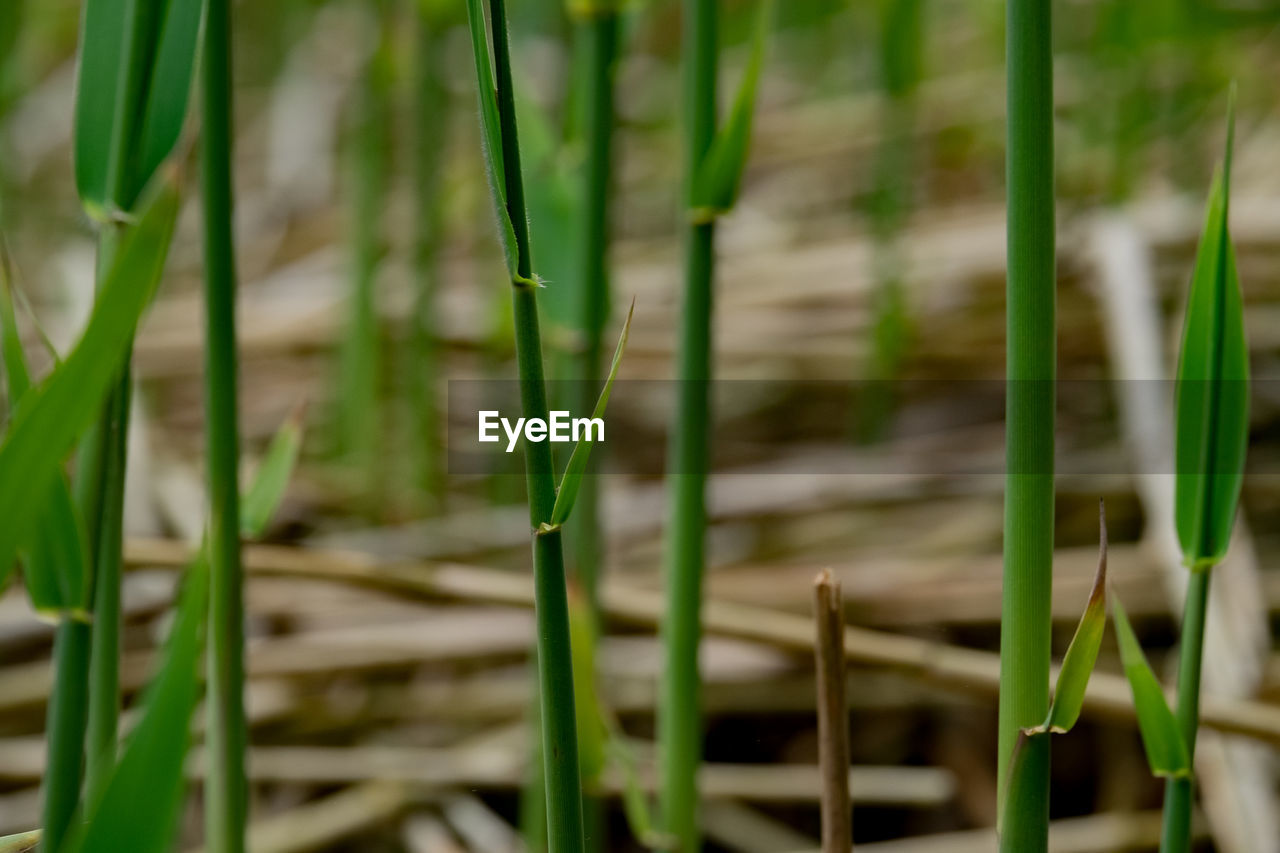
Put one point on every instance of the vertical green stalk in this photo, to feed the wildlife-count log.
(102, 492)
(66, 715)
(107, 542)
(680, 718)
(226, 790)
(1029, 496)
(1179, 793)
(597, 27)
(431, 114)
(359, 420)
(555, 661)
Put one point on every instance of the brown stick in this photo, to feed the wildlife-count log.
(833, 715)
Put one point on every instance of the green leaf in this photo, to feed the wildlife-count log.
(151, 768)
(1082, 654)
(52, 415)
(165, 33)
(1212, 410)
(491, 130)
(272, 478)
(715, 186)
(57, 565)
(1167, 752)
(571, 482)
(170, 89)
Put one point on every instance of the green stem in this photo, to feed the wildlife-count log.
(361, 368)
(1029, 495)
(1179, 794)
(66, 714)
(102, 495)
(226, 789)
(680, 719)
(104, 661)
(555, 662)
(431, 111)
(599, 37)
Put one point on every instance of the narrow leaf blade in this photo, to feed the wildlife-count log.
(51, 416)
(167, 59)
(491, 130)
(151, 768)
(97, 80)
(1166, 750)
(56, 563)
(571, 482)
(1082, 654)
(719, 176)
(1212, 410)
(272, 477)
(170, 90)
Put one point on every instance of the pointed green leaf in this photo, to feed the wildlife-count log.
(97, 80)
(491, 130)
(1166, 750)
(715, 186)
(56, 573)
(52, 415)
(1212, 410)
(165, 33)
(571, 482)
(170, 89)
(272, 478)
(151, 767)
(16, 374)
(1082, 654)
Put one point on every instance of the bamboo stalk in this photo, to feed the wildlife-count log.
(67, 715)
(833, 714)
(359, 417)
(431, 116)
(100, 490)
(597, 29)
(1026, 620)
(680, 719)
(555, 661)
(226, 789)
(103, 722)
(1179, 794)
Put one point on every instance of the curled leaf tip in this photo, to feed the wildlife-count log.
(1099, 592)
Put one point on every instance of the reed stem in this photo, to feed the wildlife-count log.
(66, 717)
(226, 788)
(104, 661)
(431, 115)
(555, 662)
(833, 715)
(598, 33)
(105, 459)
(680, 717)
(1179, 794)
(359, 405)
(1029, 495)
